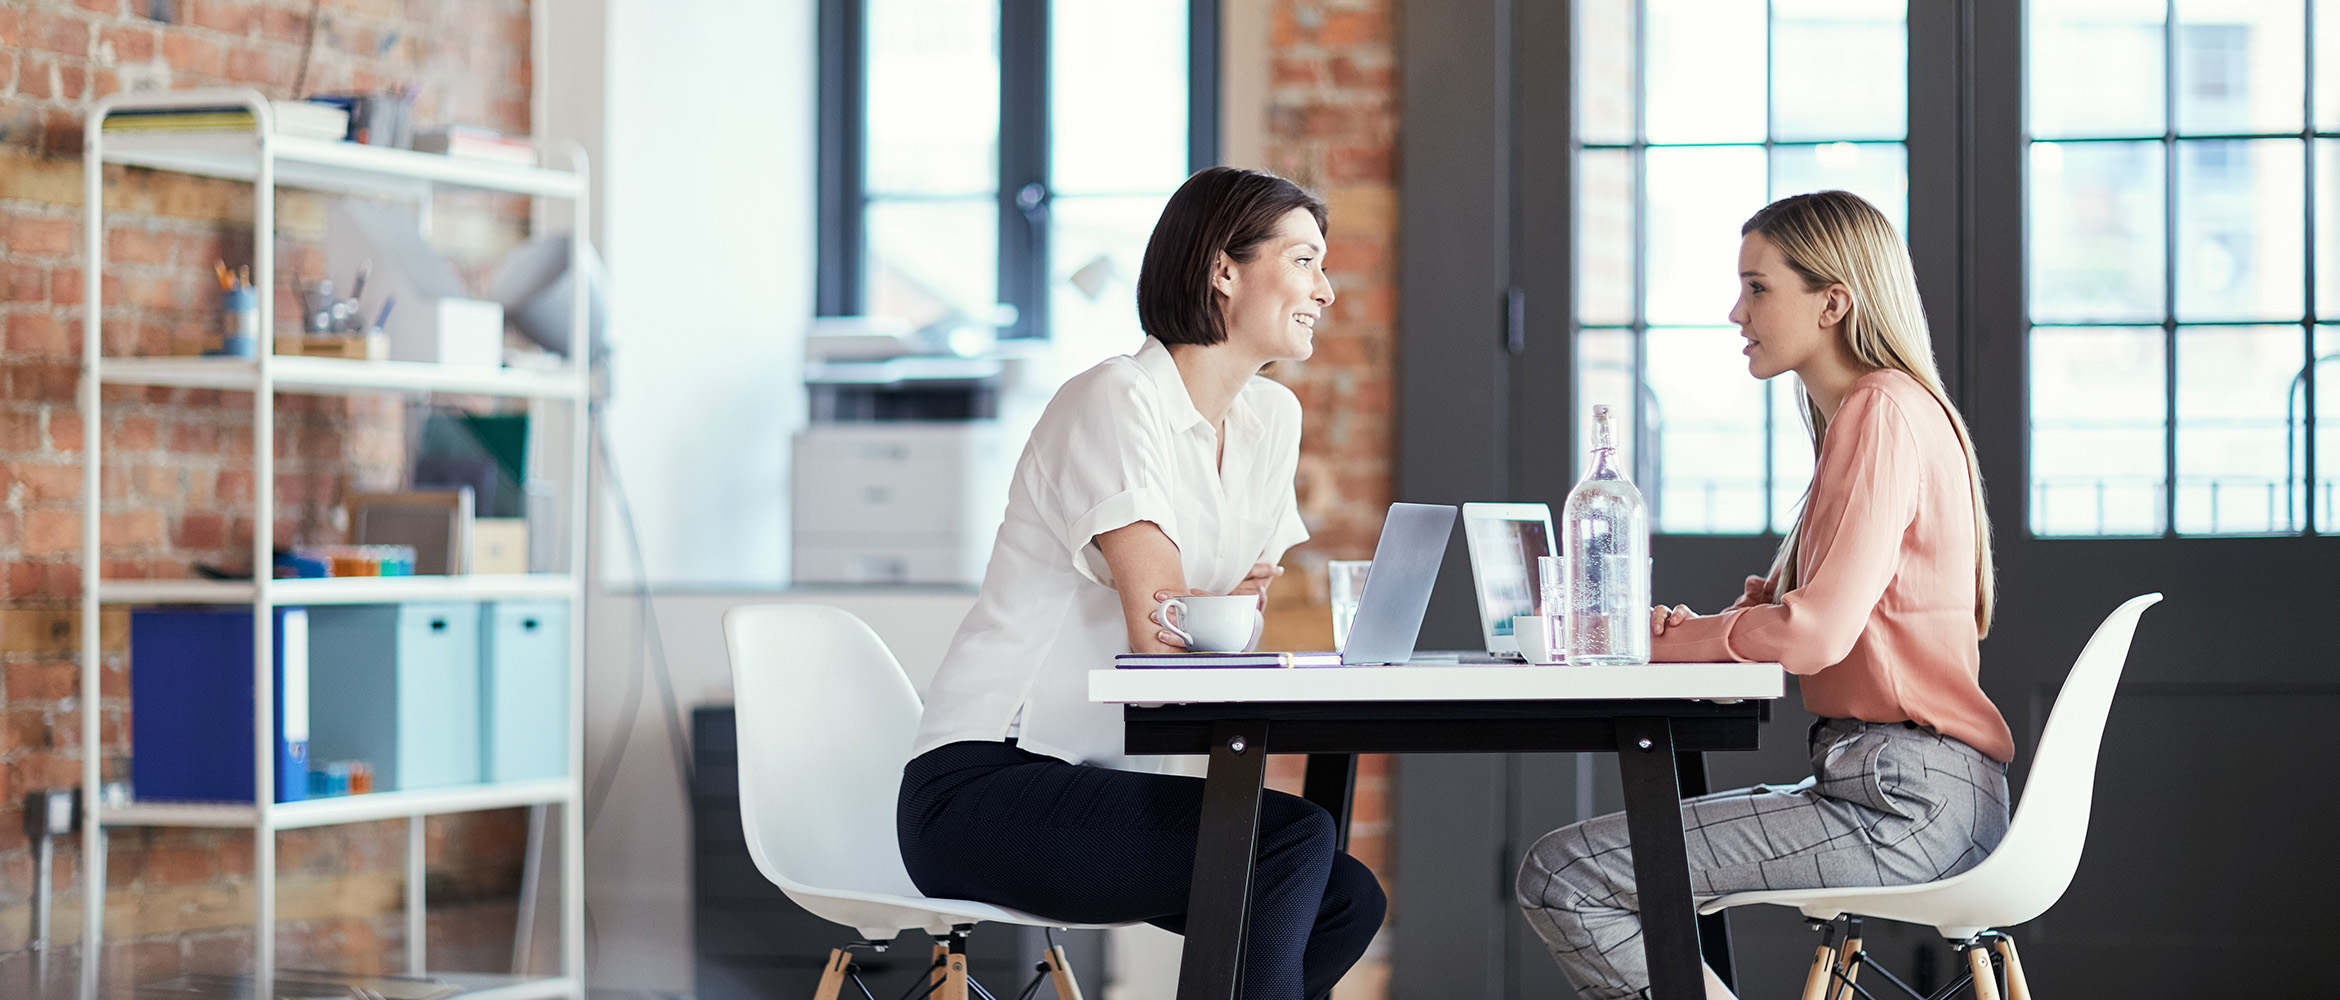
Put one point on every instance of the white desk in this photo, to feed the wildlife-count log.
(1439, 682)
(1647, 715)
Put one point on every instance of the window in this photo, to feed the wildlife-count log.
(1002, 162)
(1684, 131)
(2182, 253)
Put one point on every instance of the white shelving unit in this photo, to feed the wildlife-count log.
(269, 161)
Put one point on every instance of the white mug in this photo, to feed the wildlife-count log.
(1212, 624)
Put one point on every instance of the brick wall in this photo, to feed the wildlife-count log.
(1332, 126)
(178, 481)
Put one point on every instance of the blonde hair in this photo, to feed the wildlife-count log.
(1836, 238)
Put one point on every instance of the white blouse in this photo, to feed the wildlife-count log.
(1120, 443)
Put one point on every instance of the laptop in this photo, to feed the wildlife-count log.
(1505, 541)
(1397, 592)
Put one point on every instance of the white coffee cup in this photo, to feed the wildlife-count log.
(1212, 624)
(1539, 637)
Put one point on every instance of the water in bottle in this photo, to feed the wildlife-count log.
(1605, 528)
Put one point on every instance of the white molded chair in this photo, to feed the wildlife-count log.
(826, 718)
(2033, 863)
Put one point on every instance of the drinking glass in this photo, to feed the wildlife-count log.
(1348, 586)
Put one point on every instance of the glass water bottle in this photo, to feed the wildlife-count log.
(1606, 531)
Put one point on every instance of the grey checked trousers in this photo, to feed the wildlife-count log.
(1888, 804)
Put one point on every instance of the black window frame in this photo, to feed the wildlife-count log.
(1024, 183)
(2300, 465)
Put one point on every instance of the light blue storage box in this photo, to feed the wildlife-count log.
(396, 685)
(524, 693)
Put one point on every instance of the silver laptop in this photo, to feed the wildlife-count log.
(1397, 592)
(1505, 540)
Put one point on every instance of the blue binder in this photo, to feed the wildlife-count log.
(191, 703)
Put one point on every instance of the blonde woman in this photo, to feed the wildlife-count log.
(1877, 601)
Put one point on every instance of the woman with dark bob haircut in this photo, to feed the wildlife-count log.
(1167, 472)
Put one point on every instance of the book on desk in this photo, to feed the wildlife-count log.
(1190, 661)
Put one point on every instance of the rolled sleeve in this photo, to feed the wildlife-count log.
(1128, 507)
(1107, 471)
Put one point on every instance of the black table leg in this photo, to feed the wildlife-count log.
(1210, 967)
(1332, 782)
(1714, 929)
(1661, 862)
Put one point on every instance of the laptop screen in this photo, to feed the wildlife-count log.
(1505, 540)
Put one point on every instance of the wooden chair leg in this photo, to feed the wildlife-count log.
(1986, 983)
(954, 986)
(942, 962)
(2017, 989)
(1824, 963)
(1060, 972)
(1852, 947)
(833, 975)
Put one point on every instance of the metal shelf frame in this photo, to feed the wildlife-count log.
(270, 161)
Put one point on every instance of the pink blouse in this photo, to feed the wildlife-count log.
(1881, 627)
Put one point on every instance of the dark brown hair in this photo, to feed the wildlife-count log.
(1218, 210)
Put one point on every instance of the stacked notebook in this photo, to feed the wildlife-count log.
(1191, 661)
(298, 118)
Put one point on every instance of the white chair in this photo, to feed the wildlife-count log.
(826, 718)
(2029, 871)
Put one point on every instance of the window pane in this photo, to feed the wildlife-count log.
(1877, 171)
(931, 259)
(1698, 196)
(2241, 66)
(1705, 75)
(2327, 178)
(1095, 246)
(2096, 67)
(1816, 46)
(2327, 65)
(2327, 430)
(933, 100)
(1604, 71)
(2239, 230)
(1791, 453)
(2232, 386)
(1604, 236)
(2097, 411)
(1707, 415)
(1604, 377)
(2096, 231)
(1118, 111)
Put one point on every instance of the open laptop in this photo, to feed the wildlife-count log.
(1397, 592)
(1505, 541)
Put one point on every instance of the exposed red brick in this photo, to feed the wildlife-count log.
(1354, 27)
(52, 531)
(44, 483)
(65, 286)
(36, 334)
(65, 431)
(200, 531)
(55, 31)
(131, 44)
(193, 55)
(1355, 164)
(38, 235)
(231, 16)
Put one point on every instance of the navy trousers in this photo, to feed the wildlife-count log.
(1092, 845)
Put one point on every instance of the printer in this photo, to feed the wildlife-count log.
(900, 476)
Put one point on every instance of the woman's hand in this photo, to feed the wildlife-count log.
(1662, 618)
(1254, 583)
